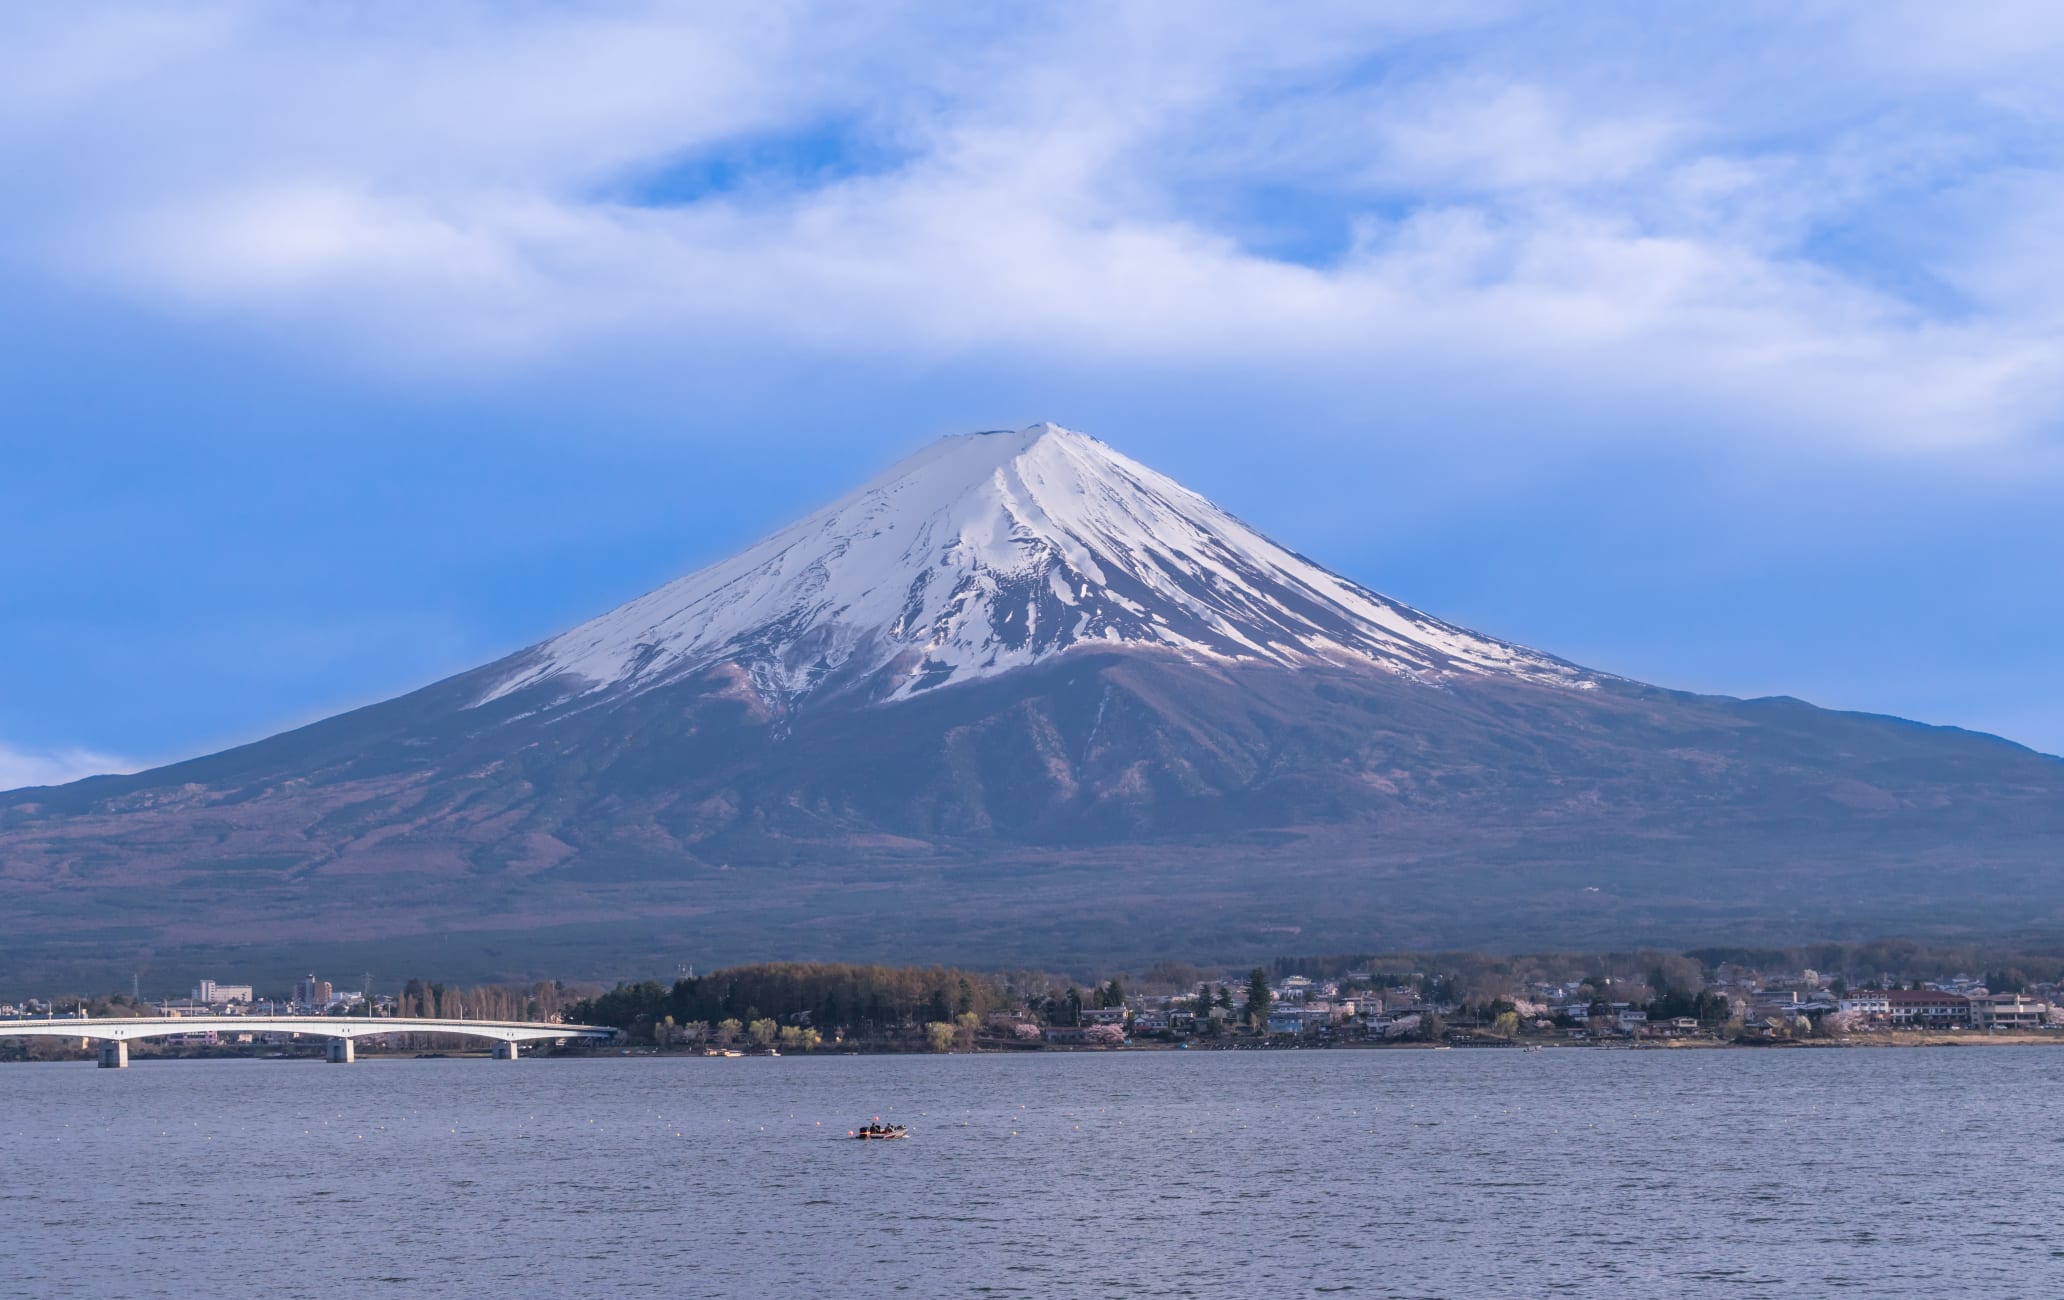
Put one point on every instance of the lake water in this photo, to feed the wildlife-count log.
(1865, 1173)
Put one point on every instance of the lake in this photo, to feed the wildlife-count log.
(1893, 1172)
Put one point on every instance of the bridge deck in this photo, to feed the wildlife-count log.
(344, 1027)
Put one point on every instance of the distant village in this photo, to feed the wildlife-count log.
(894, 1008)
(1656, 999)
(1737, 1005)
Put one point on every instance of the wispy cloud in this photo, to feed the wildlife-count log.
(1805, 217)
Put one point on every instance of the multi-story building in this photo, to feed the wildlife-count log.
(209, 993)
(2008, 1011)
(1927, 1008)
(1872, 1003)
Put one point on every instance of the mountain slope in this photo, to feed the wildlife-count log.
(1023, 700)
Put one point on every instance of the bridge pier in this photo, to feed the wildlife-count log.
(506, 1051)
(340, 1052)
(114, 1054)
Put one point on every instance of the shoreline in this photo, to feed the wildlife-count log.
(1681, 1045)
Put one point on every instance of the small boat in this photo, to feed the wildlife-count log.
(880, 1132)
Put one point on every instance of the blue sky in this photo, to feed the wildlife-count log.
(345, 347)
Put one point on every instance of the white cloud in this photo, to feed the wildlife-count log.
(21, 767)
(1596, 208)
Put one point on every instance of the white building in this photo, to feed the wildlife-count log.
(208, 993)
(2008, 1011)
(1870, 1002)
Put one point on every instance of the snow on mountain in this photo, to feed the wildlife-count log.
(992, 551)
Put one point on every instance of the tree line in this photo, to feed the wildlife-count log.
(832, 998)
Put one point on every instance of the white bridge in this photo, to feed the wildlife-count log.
(114, 1036)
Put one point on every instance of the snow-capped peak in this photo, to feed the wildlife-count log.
(991, 551)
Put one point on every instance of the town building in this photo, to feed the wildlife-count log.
(1927, 1009)
(2008, 1011)
(1871, 1003)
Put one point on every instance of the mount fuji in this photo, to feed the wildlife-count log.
(1022, 699)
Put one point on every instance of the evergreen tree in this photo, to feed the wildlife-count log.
(1258, 997)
